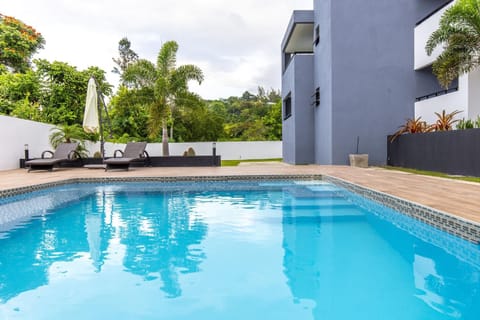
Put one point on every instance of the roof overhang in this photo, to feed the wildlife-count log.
(299, 34)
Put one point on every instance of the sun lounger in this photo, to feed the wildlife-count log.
(64, 152)
(134, 151)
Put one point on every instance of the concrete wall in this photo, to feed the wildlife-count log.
(323, 79)
(288, 124)
(299, 128)
(373, 77)
(15, 133)
(424, 8)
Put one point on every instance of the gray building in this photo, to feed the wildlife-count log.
(348, 72)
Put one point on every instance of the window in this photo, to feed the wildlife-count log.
(287, 107)
(316, 40)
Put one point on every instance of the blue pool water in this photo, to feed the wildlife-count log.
(227, 250)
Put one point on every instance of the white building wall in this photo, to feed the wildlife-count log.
(15, 133)
(421, 35)
(474, 94)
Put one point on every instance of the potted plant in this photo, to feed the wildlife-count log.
(358, 159)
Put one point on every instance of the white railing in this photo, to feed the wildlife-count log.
(450, 102)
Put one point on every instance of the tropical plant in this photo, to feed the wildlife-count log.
(69, 134)
(465, 124)
(18, 43)
(445, 121)
(459, 33)
(168, 85)
(411, 126)
(477, 122)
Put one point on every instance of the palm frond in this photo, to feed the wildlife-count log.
(459, 34)
(167, 58)
(140, 74)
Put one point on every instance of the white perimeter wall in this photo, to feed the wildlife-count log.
(15, 133)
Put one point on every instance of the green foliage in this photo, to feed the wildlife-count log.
(197, 123)
(15, 88)
(252, 117)
(169, 85)
(64, 90)
(273, 122)
(468, 124)
(465, 124)
(26, 110)
(129, 114)
(459, 33)
(69, 133)
(477, 122)
(18, 43)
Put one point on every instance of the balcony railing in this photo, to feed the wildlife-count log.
(436, 94)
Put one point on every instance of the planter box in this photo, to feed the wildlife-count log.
(358, 160)
(454, 152)
(171, 161)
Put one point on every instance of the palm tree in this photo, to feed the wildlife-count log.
(459, 32)
(166, 85)
(69, 134)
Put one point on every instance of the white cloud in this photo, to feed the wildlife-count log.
(237, 44)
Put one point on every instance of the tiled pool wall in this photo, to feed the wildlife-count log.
(454, 225)
(443, 221)
(21, 190)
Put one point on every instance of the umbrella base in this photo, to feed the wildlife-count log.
(95, 166)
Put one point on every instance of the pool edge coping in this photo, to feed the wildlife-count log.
(448, 222)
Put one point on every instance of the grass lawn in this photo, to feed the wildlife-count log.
(234, 163)
(434, 174)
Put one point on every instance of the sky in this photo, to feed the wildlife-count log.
(235, 43)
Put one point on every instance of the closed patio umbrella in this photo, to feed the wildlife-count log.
(91, 122)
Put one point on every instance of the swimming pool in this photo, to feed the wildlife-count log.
(227, 250)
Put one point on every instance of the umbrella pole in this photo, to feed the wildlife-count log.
(100, 120)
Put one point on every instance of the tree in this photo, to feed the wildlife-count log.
(16, 89)
(18, 43)
(128, 114)
(127, 56)
(64, 90)
(459, 32)
(273, 122)
(169, 85)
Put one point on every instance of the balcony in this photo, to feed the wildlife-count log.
(422, 32)
(299, 37)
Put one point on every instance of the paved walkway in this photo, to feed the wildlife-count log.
(455, 197)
